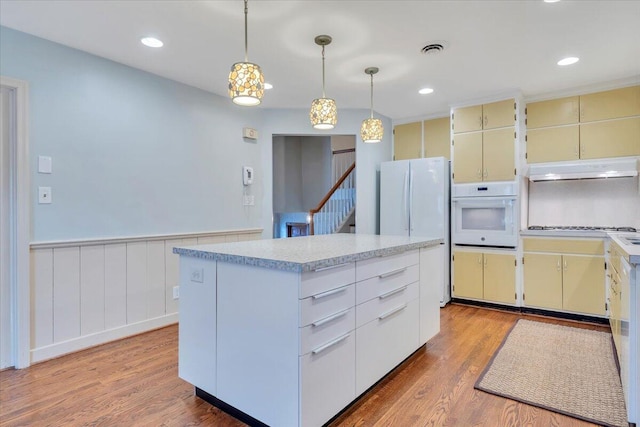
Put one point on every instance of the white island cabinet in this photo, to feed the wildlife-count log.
(289, 332)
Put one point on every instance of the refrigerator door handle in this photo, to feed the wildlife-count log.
(411, 200)
(404, 200)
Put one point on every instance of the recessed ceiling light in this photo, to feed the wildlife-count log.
(425, 91)
(151, 42)
(551, 1)
(569, 60)
(268, 86)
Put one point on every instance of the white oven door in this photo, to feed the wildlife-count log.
(484, 221)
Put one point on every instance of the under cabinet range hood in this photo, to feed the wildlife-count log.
(584, 169)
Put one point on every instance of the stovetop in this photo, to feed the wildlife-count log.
(581, 228)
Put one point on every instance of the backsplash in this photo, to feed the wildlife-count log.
(589, 202)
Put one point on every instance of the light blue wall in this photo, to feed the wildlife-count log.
(133, 153)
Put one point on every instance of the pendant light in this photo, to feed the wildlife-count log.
(371, 130)
(246, 82)
(323, 114)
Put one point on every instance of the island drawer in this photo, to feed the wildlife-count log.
(386, 305)
(385, 265)
(327, 278)
(325, 304)
(318, 335)
(386, 284)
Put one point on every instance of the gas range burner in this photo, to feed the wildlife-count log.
(581, 228)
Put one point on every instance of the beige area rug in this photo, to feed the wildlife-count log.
(563, 369)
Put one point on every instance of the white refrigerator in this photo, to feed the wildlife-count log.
(414, 201)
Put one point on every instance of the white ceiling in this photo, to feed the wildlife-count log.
(492, 47)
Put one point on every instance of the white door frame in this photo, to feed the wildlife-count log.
(19, 225)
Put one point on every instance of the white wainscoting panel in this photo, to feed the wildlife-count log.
(115, 285)
(86, 293)
(66, 293)
(91, 289)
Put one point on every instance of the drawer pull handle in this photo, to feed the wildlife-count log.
(329, 318)
(329, 293)
(393, 292)
(392, 273)
(331, 267)
(330, 344)
(392, 312)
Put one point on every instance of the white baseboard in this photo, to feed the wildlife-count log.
(81, 343)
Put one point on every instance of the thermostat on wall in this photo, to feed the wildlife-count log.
(249, 133)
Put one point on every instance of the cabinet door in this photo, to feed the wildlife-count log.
(563, 111)
(407, 141)
(467, 155)
(498, 155)
(610, 104)
(543, 280)
(553, 144)
(615, 138)
(583, 284)
(500, 278)
(437, 137)
(467, 275)
(467, 119)
(499, 114)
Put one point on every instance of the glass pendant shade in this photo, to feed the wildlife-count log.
(246, 83)
(323, 113)
(371, 130)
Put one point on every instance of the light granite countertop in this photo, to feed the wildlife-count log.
(633, 251)
(307, 253)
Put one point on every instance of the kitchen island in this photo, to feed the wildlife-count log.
(289, 332)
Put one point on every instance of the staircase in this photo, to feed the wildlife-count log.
(337, 206)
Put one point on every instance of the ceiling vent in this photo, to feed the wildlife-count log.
(433, 48)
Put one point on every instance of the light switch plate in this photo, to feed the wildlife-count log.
(44, 164)
(197, 274)
(44, 195)
(248, 200)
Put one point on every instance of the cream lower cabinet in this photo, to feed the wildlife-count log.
(557, 280)
(484, 276)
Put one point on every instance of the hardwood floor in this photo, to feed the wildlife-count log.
(134, 382)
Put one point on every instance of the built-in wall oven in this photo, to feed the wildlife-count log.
(484, 214)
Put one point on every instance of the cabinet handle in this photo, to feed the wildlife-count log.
(392, 312)
(558, 266)
(485, 261)
(480, 119)
(479, 173)
(330, 344)
(331, 267)
(486, 121)
(392, 273)
(486, 173)
(565, 265)
(328, 293)
(393, 292)
(479, 260)
(329, 318)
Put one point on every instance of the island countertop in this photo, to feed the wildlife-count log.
(309, 252)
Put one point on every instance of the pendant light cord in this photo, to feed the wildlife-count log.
(323, 95)
(371, 95)
(246, 37)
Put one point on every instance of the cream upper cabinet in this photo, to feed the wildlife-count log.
(499, 114)
(611, 138)
(562, 111)
(468, 274)
(437, 140)
(467, 154)
(553, 144)
(499, 278)
(467, 119)
(543, 280)
(482, 117)
(565, 274)
(593, 126)
(407, 141)
(484, 156)
(610, 104)
(498, 155)
(484, 276)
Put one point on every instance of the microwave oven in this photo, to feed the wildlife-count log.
(484, 215)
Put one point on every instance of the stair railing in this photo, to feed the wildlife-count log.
(335, 206)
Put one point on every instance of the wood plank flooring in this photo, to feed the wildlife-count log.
(134, 382)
